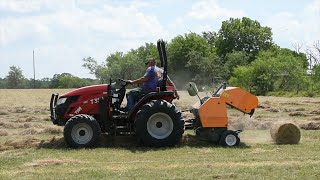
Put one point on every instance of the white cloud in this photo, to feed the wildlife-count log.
(204, 15)
(31, 6)
(65, 35)
(210, 9)
(17, 29)
(299, 27)
(66, 31)
(125, 22)
(313, 7)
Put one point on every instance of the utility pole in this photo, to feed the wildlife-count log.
(34, 72)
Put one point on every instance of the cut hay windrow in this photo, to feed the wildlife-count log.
(285, 133)
(3, 132)
(310, 125)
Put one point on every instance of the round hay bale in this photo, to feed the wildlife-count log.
(285, 133)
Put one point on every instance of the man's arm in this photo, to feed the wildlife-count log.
(139, 81)
(143, 79)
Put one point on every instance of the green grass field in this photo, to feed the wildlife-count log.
(32, 148)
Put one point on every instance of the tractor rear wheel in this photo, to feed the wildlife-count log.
(82, 131)
(229, 139)
(159, 123)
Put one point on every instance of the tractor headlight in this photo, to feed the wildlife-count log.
(61, 100)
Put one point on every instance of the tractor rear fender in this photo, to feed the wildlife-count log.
(165, 95)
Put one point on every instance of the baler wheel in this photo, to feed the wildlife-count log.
(229, 139)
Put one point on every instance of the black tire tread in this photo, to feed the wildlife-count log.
(82, 118)
(149, 109)
(225, 134)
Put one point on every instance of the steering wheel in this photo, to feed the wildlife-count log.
(124, 82)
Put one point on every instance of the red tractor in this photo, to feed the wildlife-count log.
(155, 120)
(89, 111)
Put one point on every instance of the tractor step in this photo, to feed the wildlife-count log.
(123, 131)
(188, 124)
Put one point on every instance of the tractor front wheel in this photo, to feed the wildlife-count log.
(159, 123)
(82, 131)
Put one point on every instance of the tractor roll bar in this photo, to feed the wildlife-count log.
(163, 60)
(160, 52)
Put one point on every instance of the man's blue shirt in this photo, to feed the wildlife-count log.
(153, 74)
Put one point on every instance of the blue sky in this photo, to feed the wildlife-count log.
(62, 32)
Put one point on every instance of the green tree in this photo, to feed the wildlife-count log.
(243, 35)
(45, 83)
(210, 36)
(243, 77)
(31, 83)
(232, 60)
(147, 51)
(15, 77)
(273, 70)
(122, 65)
(316, 73)
(125, 66)
(71, 81)
(208, 68)
(315, 77)
(55, 82)
(100, 71)
(91, 64)
(3, 83)
(191, 57)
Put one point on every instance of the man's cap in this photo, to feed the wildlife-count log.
(149, 60)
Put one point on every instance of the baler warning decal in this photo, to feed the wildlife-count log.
(226, 95)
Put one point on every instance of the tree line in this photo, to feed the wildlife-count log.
(16, 80)
(241, 53)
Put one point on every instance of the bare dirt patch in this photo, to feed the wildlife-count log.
(55, 142)
(188, 139)
(52, 162)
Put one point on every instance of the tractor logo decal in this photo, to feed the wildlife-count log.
(78, 110)
(226, 95)
(95, 100)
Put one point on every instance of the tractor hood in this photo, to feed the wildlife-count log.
(87, 90)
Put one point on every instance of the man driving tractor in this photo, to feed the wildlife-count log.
(150, 81)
